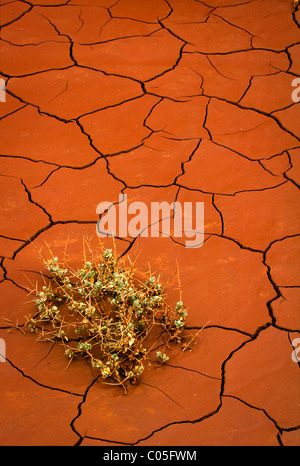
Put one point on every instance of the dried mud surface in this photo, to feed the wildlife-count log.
(163, 100)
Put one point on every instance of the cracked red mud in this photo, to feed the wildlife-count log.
(166, 100)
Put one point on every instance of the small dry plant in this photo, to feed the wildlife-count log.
(103, 312)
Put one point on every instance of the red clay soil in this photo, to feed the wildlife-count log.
(163, 100)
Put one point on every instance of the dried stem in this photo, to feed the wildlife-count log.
(104, 313)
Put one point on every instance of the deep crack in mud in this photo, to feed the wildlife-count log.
(168, 100)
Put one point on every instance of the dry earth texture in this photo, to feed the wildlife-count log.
(161, 100)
